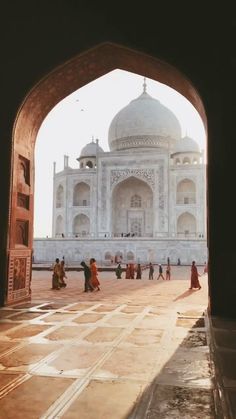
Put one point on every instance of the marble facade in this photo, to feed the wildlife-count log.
(145, 196)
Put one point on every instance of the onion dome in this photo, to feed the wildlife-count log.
(186, 145)
(90, 150)
(144, 122)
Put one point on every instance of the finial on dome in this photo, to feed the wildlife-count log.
(144, 85)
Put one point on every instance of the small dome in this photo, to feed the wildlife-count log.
(90, 150)
(186, 145)
(142, 123)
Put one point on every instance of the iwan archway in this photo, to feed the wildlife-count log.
(58, 84)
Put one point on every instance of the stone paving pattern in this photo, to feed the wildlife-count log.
(135, 349)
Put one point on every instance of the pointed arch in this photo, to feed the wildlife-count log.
(59, 226)
(186, 192)
(130, 256)
(81, 225)
(81, 194)
(60, 197)
(186, 225)
(132, 208)
(55, 86)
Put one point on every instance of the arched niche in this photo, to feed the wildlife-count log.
(55, 86)
(186, 160)
(130, 257)
(60, 196)
(59, 226)
(186, 192)
(186, 225)
(81, 225)
(81, 195)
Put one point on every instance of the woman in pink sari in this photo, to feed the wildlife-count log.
(194, 277)
(94, 274)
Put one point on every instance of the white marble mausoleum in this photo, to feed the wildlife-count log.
(144, 200)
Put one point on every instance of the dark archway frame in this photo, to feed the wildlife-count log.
(58, 84)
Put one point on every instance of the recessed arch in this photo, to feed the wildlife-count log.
(55, 86)
(81, 225)
(60, 196)
(89, 164)
(186, 192)
(130, 256)
(81, 194)
(132, 208)
(108, 256)
(186, 225)
(59, 226)
(186, 160)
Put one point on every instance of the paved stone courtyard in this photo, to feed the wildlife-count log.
(135, 349)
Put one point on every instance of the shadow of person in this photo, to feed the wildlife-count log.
(184, 295)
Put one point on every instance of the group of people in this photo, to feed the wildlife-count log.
(91, 281)
(59, 274)
(131, 270)
(160, 270)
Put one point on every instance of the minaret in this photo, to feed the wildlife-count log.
(66, 161)
(144, 85)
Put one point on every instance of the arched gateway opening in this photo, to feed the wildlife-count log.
(132, 212)
(58, 84)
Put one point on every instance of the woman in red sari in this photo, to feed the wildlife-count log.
(127, 272)
(94, 274)
(194, 277)
(131, 270)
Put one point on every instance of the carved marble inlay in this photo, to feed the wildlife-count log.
(145, 174)
(161, 187)
(140, 141)
(79, 180)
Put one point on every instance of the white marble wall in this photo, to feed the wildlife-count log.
(145, 250)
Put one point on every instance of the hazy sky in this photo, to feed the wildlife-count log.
(87, 113)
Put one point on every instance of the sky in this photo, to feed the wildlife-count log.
(87, 113)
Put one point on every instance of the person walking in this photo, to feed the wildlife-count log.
(205, 270)
(127, 272)
(138, 272)
(62, 274)
(151, 271)
(160, 272)
(168, 269)
(87, 277)
(94, 274)
(194, 277)
(131, 268)
(56, 275)
(118, 271)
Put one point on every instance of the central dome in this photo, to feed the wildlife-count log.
(145, 122)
